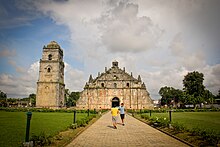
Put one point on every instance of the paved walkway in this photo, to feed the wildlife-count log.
(134, 133)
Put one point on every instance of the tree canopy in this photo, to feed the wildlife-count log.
(3, 95)
(194, 92)
(32, 98)
(193, 83)
(170, 95)
(71, 98)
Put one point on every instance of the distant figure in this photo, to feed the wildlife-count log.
(115, 113)
(122, 113)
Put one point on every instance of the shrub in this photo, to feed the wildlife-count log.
(84, 121)
(41, 140)
(209, 135)
(178, 127)
(163, 122)
(157, 122)
(145, 116)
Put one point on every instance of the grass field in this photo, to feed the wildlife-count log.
(202, 120)
(13, 125)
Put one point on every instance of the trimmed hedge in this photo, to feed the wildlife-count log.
(8, 109)
(175, 110)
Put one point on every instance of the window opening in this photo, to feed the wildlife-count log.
(50, 57)
(48, 70)
(127, 84)
(102, 85)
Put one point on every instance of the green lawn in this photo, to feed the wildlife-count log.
(202, 120)
(13, 125)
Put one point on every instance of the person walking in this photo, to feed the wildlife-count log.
(114, 112)
(122, 113)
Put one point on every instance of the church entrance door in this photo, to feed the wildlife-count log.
(115, 102)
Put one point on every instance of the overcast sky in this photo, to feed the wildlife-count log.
(161, 40)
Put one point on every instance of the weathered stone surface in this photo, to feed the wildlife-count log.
(50, 85)
(113, 87)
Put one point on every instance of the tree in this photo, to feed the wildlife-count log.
(218, 95)
(74, 96)
(71, 98)
(188, 99)
(193, 84)
(3, 97)
(177, 93)
(170, 95)
(32, 98)
(217, 98)
(165, 93)
(208, 97)
(11, 101)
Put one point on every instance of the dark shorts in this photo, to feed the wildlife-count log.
(122, 116)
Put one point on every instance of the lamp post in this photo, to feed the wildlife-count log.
(74, 117)
(87, 98)
(29, 114)
(170, 116)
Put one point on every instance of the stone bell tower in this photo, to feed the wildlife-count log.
(50, 85)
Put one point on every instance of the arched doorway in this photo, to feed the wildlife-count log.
(115, 102)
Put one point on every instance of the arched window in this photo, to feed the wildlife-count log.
(48, 69)
(127, 84)
(102, 85)
(115, 77)
(49, 57)
(115, 85)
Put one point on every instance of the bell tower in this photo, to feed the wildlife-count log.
(50, 85)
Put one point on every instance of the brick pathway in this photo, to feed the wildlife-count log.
(134, 133)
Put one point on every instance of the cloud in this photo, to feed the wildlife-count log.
(12, 17)
(168, 77)
(7, 53)
(159, 40)
(212, 77)
(174, 78)
(112, 26)
(177, 45)
(16, 86)
(33, 70)
(74, 78)
(20, 85)
(124, 31)
(102, 31)
(6, 80)
(15, 22)
(190, 59)
(26, 83)
(18, 69)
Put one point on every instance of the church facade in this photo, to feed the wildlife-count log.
(50, 85)
(113, 87)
